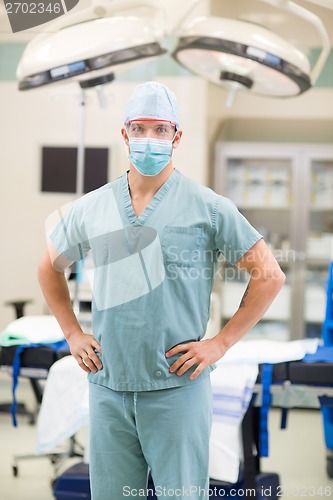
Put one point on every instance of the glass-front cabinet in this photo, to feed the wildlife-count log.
(319, 244)
(286, 192)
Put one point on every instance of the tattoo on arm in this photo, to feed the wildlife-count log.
(242, 304)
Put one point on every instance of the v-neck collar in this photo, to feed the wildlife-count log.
(153, 202)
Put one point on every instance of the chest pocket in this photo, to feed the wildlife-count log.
(181, 245)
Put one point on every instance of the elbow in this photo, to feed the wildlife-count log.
(281, 280)
(276, 277)
(271, 276)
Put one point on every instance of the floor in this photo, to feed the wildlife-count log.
(298, 454)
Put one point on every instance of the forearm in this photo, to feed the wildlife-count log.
(257, 298)
(56, 293)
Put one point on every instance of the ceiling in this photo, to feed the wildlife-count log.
(296, 30)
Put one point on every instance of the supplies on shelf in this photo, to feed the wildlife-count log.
(322, 187)
(231, 296)
(320, 246)
(259, 186)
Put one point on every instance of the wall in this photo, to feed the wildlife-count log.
(306, 118)
(51, 116)
(311, 112)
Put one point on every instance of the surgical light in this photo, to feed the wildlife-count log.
(89, 48)
(240, 55)
(228, 51)
(107, 37)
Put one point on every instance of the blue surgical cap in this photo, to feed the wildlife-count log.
(152, 101)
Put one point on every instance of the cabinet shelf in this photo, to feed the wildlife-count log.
(328, 208)
(318, 262)
(242, 206)
(286, 192)
(232, 296)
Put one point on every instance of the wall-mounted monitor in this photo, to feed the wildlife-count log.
(59, 169)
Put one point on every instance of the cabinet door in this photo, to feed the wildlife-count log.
(319, 240)
(260, 179)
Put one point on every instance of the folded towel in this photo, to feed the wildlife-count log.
(232, 391)
(31, 329)
(269, 351)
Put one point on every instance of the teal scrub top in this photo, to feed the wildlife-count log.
(152, 274)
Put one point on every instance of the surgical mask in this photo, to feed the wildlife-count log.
(149, 156)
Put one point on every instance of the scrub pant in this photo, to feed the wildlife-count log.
(165, 431)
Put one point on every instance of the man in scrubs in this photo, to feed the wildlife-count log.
(154, 237)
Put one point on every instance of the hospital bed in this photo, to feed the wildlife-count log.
(292, 380)
(23, 356)
(64, 407)
(35, 365)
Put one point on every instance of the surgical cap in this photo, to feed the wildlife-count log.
(152, 101)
